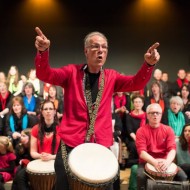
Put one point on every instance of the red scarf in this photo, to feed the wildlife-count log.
(4, 100)
(142, 117)
(161, 102)
(120, 101)
(180, 82)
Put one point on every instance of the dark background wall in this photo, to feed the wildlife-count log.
(130, 25)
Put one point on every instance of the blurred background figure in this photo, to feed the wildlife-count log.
(2, 77)
(34, 80)
(7, 161)
(5, 103)
(183, 150)
(52, 96)
(185, 95)
(174, 116)
(31, 102)
(13, 79)
(135, 119)
(18, 120)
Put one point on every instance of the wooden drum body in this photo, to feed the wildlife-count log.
(168, 175)
(41, 174)
(92, 167)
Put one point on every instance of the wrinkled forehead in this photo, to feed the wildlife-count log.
(155, 108)
(97, 39)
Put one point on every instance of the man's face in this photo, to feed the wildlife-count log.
(154, 115)
(181, 74)
(96, 53)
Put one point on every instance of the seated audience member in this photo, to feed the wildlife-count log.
(185, 95)
(183, 150)
(121, 103)
(31, 103)
(7, 161)
(34, 80)
(156, 145)
(2, 77)
(181, 79)
(174, 116)
(22, 151)
(135, 119)
(13, 80)
(44, 140)
(18, 120)
(21, 83)
(156, 96)
(5, 100)
(122, 107)
(45, 134)
(52, 96)
(165, 79)
(157, 77)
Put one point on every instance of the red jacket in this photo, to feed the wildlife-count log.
(75, 119)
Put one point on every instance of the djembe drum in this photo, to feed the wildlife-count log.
(167, 175)
(92, 167)
(41, 174)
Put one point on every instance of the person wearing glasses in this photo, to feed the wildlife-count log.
(88, 93)
(156, 145)
(44, 142)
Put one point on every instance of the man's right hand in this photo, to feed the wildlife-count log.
(41, 43)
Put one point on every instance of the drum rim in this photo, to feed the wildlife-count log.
(39, 173)
(31, 170)
(161, 175)
(98, 184)
(82, 178)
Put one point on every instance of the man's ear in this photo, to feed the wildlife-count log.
(85, 51)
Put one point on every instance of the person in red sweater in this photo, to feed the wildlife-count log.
(88, 93)
(156, 145)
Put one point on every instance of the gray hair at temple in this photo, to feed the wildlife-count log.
(88, 37)
(176, 99)
(155, 105)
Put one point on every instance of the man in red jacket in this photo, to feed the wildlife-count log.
(88, 92)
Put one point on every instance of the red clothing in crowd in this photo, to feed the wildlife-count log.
(75, 119)
(4, 164)
(155, 141)
(47, 143)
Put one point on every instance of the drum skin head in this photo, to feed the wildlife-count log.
(40, 167)
(93, 163)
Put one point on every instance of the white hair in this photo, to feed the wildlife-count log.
(156, 105)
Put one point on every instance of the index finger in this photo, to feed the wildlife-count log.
(39, 32)
(154, 46)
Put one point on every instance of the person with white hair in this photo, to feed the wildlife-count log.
(174, 116)
(156, 146)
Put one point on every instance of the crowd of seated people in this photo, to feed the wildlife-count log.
(22, 98)
(28, 124)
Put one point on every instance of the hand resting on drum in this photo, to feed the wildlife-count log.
(46, 156)
(161, 165)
